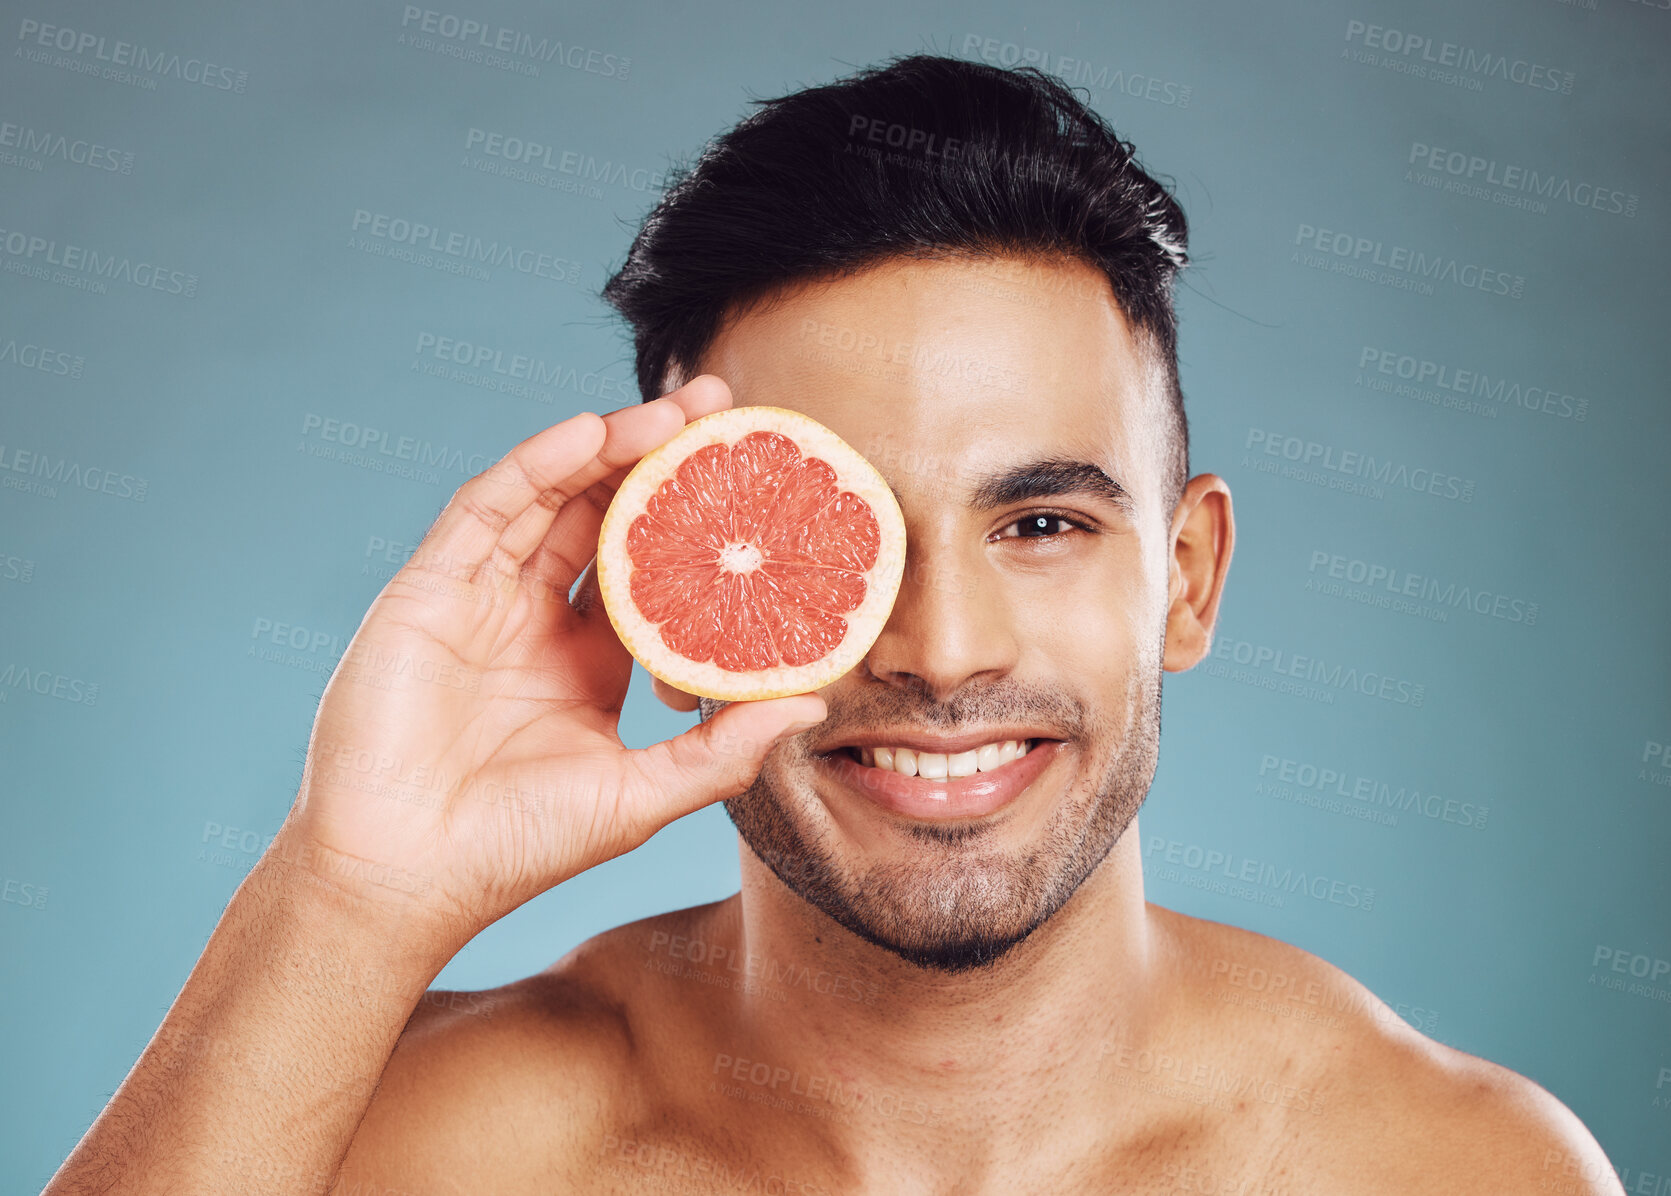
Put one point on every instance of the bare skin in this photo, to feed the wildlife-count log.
(760, 1044)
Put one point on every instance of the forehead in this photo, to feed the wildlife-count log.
(936, 367)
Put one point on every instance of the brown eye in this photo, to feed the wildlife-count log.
(1037, 526)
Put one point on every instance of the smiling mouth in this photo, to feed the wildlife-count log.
(978, 781)
(940, 766)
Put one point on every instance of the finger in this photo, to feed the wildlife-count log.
(719, 758)
(672, 697)
(630, 432)
(571, 542)
(569, 546)
(470, 527)
(570, 538)
(702, 395)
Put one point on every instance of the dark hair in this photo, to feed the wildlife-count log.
(987, 162)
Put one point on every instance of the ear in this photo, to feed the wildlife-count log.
(1203, 535)
(673, 699)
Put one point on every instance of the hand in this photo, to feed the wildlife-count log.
(465, 758)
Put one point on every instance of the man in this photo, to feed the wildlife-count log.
(964, 273)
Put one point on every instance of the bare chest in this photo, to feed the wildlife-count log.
(762, 1153)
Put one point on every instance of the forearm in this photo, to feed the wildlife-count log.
(263, 1069)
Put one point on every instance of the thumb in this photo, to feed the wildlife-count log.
(721, 757)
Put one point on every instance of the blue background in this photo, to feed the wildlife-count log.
(1486, 936)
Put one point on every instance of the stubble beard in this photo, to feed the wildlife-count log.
(958, 906)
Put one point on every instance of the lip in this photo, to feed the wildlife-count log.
(939, 801)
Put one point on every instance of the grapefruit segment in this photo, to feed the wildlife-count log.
(844, 534)
(760, 462)
(754, 555)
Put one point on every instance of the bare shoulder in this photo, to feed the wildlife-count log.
(502, 1089)
(1483, 1127)
(1393, 1110)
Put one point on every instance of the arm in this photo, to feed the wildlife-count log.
(263, 1068)
(464, 759)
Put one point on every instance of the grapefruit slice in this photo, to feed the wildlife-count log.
(754, 555)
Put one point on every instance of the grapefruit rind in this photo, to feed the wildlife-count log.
(643, 639)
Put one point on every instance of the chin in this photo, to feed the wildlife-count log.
(943, 910)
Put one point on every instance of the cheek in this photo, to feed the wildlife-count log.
(1111, 656)
(1107, 613)
(1098, 646)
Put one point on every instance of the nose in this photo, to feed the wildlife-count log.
(949, 625)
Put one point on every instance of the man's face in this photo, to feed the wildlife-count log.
(998, 400)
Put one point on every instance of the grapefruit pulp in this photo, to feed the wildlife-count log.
(754, 555)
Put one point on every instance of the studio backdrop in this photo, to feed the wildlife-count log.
(276, 279)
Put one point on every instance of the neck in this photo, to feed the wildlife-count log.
(911, 1055)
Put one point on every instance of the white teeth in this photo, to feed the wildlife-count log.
(937, 766)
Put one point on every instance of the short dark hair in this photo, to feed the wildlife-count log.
(989, 162)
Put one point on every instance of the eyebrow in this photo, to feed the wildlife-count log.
(1049, 478)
